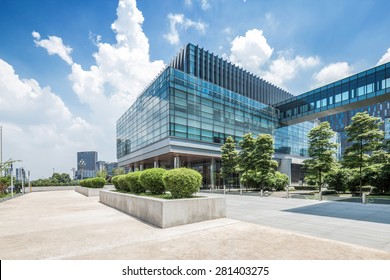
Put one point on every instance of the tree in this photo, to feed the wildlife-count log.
(102, 174)
(338, 179)
(118, 171)
(365, 137)
(229, 160)
(262, 154)
(61, 178)
(322, 151)
(279, 181)
(245, 156)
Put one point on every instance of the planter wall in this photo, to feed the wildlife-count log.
(166, 212)
(88, 191)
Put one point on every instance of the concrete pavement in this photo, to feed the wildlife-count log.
(356, 223)
(68, 225)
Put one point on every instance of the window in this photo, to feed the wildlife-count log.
(345, 95)
(338, 98)
(323, 102)
(361, 91)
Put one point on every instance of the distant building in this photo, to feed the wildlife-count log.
(107, 166)
(86, 164)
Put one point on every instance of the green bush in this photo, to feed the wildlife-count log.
(114, 181)
(122, 183)
(133, 181)
(279, 181)
(4, 183)
(182, 182)
(151, 180)
(93, 183)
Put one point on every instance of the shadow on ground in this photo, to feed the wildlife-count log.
(346, 210)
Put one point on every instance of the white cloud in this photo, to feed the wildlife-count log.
(178, 22)
(122, 70)
(385, 58)
(205, 4)
(331, 73)
(282, 69)
(41, 130)
(38, 127)
(251, 51)
(54, 45)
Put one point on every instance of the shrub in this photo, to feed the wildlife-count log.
(4, 183)
(133, 181)
(151, 180)
(93, 183)
(122, 183)
(338, 179)
(114, 181)
(279, 181)
(182, 182)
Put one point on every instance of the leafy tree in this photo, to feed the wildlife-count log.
(322, 152)
(61, 178)
(4, 183)
(279, 181)
(262, 155)
(245, 156)
(229, 160)
(365, 137)
(338, 179)
(102, 174)
(118, 171)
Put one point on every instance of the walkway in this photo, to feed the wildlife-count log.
(68, 225)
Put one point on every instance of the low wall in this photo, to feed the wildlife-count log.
(166, 212)
(88, 191)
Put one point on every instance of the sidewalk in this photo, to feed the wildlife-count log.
(68, 225)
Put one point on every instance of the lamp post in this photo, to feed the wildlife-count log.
(81, 167)
(73, 170)
(12, 181)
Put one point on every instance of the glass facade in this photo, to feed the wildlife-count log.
(202, 111)
(387, 128)
(292, 139)
(188, 111)
(147, 120)
(179, 105)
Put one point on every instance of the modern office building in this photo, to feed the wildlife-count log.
(184, 116)
(107, 166)
(86, 164)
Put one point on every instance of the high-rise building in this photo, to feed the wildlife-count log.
(184, 116)
(86, 164)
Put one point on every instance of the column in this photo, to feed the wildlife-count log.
(141, 167)
(156, 165)
(176, 162)
(212, 173)
(285, 168)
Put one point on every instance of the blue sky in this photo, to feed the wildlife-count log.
(69, 69)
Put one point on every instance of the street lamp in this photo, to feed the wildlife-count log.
(81, 167)
(73, 170)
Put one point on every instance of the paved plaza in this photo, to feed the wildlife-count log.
(67, 225)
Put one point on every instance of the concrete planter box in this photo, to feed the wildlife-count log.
(88, 191)
(166, 212)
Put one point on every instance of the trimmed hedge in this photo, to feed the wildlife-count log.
(134, 183)
(93, 182)
(122, 183)
(182, 182)
(151, 180)
(114, 181)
